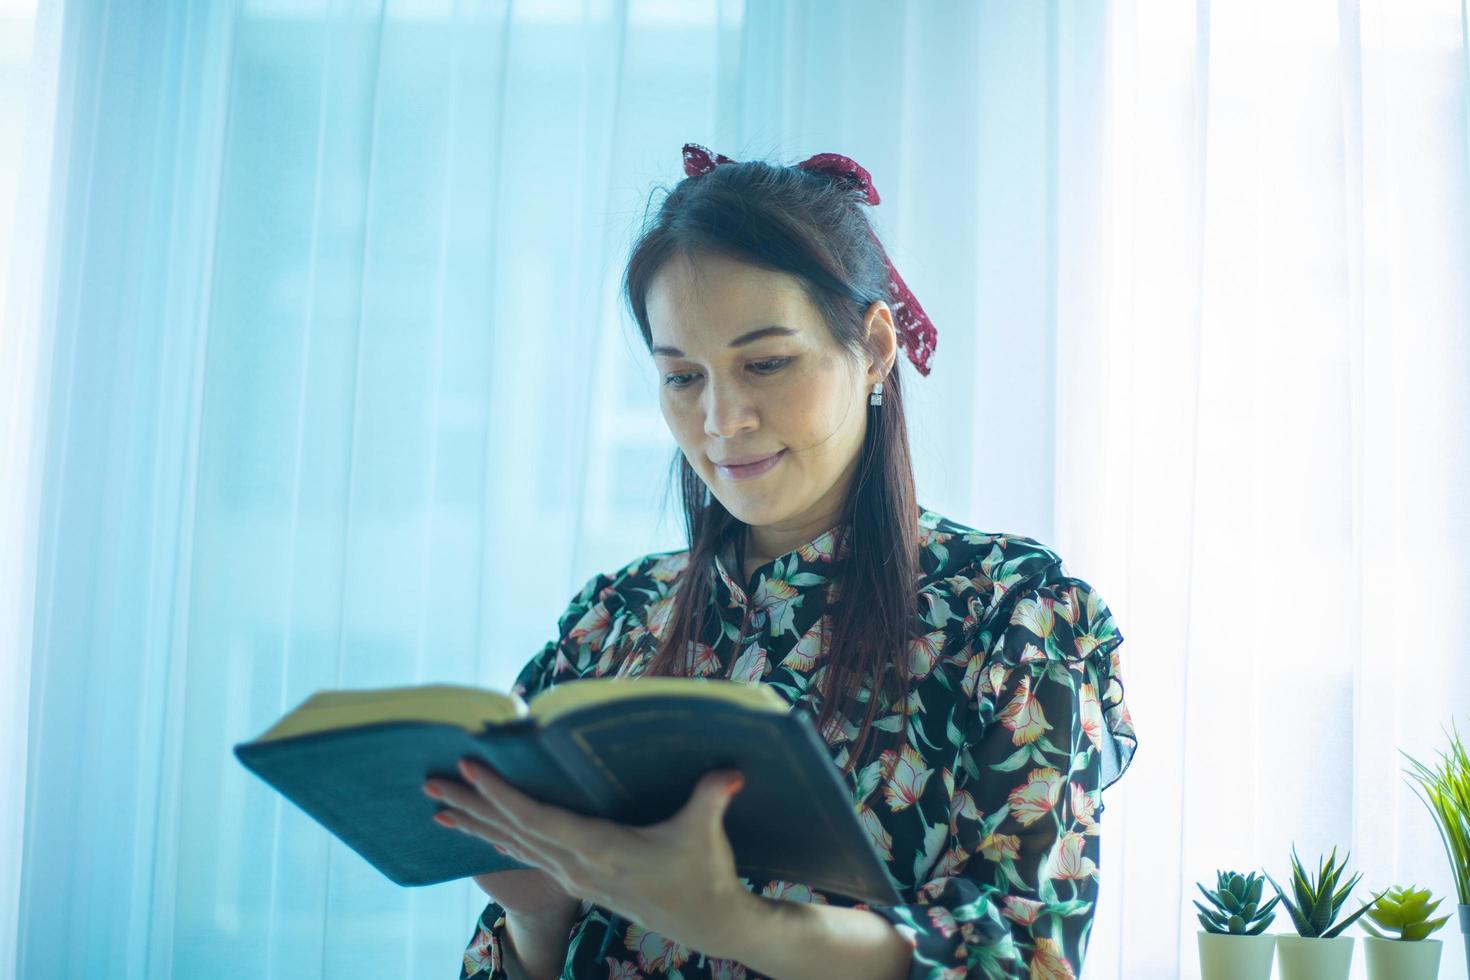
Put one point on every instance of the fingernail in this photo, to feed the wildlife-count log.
(735, 786)
(433, 791)
(443, 819)
(465, 770)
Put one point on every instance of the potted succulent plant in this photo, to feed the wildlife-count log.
(1317, 951)
(1447, 794)
(1233, 945)
(1409, 955)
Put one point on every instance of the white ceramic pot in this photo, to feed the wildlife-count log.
(1302, 958)
(1226, 957)
(1397, 959)
(1465, 929)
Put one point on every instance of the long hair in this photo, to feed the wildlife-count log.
(809, 226)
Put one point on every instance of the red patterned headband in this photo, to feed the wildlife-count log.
(915, 332)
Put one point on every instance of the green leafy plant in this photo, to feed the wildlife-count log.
(1317, 903)
(1446, 792)
(1405, 911)
(1237, 910)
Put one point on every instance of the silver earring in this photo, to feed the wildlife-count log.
(876, 398)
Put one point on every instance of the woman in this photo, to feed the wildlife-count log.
(774, 318)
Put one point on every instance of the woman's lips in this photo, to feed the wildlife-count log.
(751, 470)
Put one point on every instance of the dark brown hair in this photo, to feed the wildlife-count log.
(809, 226)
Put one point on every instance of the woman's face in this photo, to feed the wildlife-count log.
(733, 391)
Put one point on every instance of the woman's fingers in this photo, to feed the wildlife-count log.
(456, 795)
(459, 820)
(529, 817)
(474, 811)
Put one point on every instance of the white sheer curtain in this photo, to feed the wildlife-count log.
(321, 380)
(1265, 450)
(29, 45)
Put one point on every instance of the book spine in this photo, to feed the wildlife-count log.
(581, 765)
(858, 871)
(794, 821)
(533, 761)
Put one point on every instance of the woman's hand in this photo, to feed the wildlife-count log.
(675, 878)
(539, 916)
(527, 892)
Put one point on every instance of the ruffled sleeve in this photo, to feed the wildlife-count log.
(1013, 893)
(583, 630)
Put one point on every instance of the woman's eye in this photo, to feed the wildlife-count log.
(762, 367)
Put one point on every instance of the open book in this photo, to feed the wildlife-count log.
(625, 749)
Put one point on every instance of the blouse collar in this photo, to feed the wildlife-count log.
(816, 562)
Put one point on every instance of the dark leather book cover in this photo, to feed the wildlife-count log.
(634, 760)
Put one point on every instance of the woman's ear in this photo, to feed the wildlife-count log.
(883, 338)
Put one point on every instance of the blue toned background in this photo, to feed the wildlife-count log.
(315, 375)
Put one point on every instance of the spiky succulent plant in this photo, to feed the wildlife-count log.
(1237, 910)
(1317, 904)
(1405, 911)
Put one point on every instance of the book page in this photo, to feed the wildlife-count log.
(469, 708)
(557, 701)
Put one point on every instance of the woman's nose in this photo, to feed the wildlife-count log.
(727, 410)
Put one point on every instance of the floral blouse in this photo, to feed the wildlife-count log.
(988, 817)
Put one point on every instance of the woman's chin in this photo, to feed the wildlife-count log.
(751, 506)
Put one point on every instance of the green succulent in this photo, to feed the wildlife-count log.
(1405, 910)
(1317, 903)
(1236, 898)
